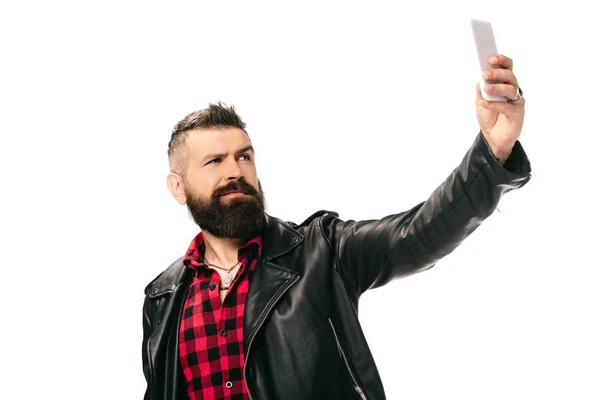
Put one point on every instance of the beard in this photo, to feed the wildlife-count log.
(235, 218)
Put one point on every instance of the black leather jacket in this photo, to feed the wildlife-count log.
(303, 340)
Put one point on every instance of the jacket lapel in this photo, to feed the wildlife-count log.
(271, 279)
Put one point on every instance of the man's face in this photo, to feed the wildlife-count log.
(221, 161)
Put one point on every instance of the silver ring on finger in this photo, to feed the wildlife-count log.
(518, 96)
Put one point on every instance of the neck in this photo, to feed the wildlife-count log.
(220, 251)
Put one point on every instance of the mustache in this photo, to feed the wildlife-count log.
(239, 186)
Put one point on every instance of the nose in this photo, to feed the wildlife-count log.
(234, 172)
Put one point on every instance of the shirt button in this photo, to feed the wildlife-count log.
(223, 332)
(229, 385)
(212, 287)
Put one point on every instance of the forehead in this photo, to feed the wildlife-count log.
(216, 140)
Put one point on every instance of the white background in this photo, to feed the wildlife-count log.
(358, 107)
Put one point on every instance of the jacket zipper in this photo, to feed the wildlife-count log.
(261, 321)
(159, 298)
(150, 369)
(343, 354)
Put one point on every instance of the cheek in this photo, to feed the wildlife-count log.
(256, 183)
(200, 186)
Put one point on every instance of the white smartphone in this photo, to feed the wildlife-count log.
(485, 45)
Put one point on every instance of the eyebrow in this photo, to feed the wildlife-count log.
(221, 155)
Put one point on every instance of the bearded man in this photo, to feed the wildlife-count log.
(262, 309)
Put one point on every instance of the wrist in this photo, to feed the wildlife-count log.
(501, 154)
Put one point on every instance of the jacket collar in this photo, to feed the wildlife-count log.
(278, 238)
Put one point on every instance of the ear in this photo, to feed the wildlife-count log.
(175, 185)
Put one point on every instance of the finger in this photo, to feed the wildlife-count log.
(508, 109)
(500, 76)
(500, 89)
(501, 61)
(478, 98)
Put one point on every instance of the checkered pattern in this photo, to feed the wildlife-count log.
(211, 336)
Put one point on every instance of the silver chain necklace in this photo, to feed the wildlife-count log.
(228, 278)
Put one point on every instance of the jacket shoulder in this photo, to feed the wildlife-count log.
(167, 278)
(315, 216)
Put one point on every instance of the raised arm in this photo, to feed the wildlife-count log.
(371, 253)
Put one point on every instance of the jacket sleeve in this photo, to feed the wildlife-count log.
(371, 253)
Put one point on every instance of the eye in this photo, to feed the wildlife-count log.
(246, 155)
(213, 161)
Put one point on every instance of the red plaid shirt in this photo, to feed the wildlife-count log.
(211, 336)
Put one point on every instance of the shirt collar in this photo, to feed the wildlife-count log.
(194, 256)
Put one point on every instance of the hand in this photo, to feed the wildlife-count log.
(500, 122)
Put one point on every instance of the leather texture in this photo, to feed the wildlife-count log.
(303, 339)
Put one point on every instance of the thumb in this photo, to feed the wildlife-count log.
(478, 97)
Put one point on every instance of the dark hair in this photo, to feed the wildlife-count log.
(216, 115)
